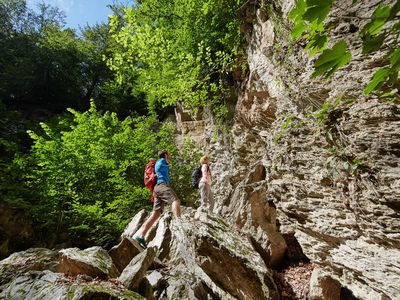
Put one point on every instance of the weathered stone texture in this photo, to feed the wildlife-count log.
(93, 261)
(34, 259)
(47, 285)
(134, 272)
(123, 253)
(208, 253)
(333, 175)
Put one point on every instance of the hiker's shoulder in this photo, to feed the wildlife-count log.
(161, 161)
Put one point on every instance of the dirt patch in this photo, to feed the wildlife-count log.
(293, 282)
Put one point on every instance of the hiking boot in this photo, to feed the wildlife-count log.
(141, 241)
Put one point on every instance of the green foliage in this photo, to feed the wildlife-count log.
(309, 16)
(323, 115)
(332, 59)
(90, 177)
(177, 50)
(13, 141)
(371, 44)
(317, 44)
(378, 20)
(44, 65)
(378, 78)
(373, 39)
(296, 15)
(291, 122)
(317, 10)
(356, 165)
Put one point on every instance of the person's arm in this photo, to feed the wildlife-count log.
(204, 172)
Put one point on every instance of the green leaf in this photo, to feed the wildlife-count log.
(331, 59)
(377, 79)
(316, 26)
(395, 57)
(298, 10)
(317, 43)
(379, 17)
(396, 27)
(394, 10)
(371, 44)
(332, 54)
(317, 10)
(296, 14)
(391, 94)
(298, 30)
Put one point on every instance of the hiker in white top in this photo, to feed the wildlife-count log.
(207, 201)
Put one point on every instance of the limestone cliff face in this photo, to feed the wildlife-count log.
(333, 174)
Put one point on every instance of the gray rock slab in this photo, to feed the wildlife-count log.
(93, 261)
(46, 285)
(123, 253)
(34, 259)
(136, 269)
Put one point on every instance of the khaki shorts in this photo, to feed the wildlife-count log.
(163, 194)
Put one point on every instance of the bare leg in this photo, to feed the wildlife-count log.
(176, 208)
(150, 221)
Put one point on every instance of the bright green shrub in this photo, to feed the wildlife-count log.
(90, 177)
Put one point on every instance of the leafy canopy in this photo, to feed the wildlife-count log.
(179, 50)
(49, 67)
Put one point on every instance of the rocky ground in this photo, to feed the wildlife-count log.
(293, 282)
(198, 256)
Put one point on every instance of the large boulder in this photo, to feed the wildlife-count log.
(46, 285)
(135, 223)
(93, 261)
(203, 249)
(34, 259)
(162, 237)
(252, 213)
